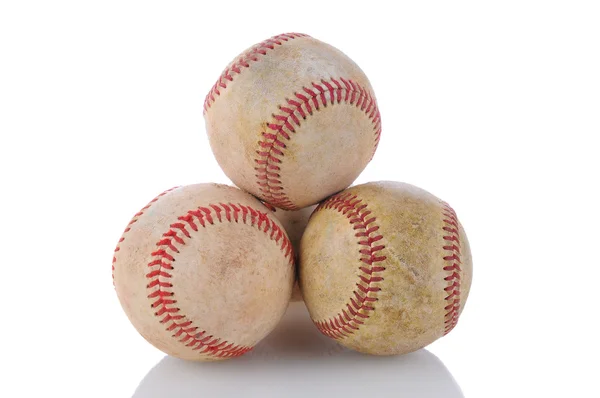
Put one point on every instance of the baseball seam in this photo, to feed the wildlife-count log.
(161, 289)
(244, 61)
(284, 123)
(133, 221)
(362, 300)
(452, 267)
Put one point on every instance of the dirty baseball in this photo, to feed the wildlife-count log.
(204, 272)
(292, 109)
(385, 268)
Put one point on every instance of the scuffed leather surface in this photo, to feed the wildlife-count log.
(410, 309)
(326, 153)
(229, 278)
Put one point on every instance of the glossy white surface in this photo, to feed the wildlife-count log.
(297, 361)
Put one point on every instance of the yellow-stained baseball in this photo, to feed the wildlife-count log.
(204, 272)
(385, 268)
(292, 120)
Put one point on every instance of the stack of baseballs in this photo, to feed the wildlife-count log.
(204, 272)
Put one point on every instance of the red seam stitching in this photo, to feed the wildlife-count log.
(167, 248)
(133, 220)
(452, 258)
(363, 298)
(244, 61)
(283, 125)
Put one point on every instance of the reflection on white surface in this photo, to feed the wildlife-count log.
(297, 361)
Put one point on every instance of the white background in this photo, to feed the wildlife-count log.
(492, 106)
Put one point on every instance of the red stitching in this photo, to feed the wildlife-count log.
(452, 267)
(133, 220)
(161, 294)
(362, 300)
(244, 61)
(271, 148)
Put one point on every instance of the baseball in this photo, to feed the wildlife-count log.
(204, 272)
(292, 120)
(294, 222)
(385, 268)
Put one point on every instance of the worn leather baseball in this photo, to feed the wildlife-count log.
(294, 222)
(204, 272)
(385, 268)
(292, 120)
